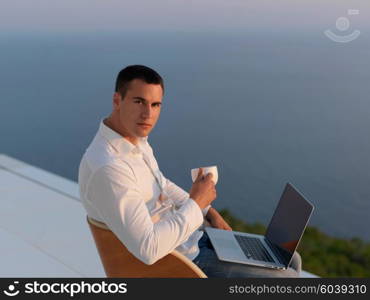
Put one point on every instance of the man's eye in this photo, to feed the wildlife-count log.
(157, 104)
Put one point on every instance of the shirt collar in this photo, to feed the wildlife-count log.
(118, 142)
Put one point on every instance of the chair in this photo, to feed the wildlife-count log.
(119, 262)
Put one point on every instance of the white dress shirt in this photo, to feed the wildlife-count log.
(122, 186)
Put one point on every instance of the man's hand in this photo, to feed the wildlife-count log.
(216, 220)
(203, 190)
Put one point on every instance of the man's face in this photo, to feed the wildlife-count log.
(139, 111)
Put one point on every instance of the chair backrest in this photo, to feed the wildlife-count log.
(119, 262)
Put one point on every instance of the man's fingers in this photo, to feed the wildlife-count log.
(227, 227)
(210, 175)
(200, 174)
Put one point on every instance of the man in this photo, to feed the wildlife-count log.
(122, 186)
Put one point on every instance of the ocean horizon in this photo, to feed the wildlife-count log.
(266, 108)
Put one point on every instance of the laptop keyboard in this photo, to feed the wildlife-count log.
(253, 248)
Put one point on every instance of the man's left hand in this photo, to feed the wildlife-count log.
(216, 220)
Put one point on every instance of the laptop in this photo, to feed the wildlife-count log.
(276, 248)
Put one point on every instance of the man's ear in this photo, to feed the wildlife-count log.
(116, 101)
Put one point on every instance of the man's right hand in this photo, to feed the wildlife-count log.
(203, 190)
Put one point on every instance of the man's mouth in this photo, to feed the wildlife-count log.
(145, 125)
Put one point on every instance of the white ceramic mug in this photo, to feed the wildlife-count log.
(206, 170)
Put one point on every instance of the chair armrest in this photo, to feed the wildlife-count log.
(119, 262)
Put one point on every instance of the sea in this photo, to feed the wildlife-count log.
(266, 107)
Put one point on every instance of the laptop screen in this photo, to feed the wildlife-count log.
(289, 222)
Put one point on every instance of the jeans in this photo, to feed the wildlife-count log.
(208, 261)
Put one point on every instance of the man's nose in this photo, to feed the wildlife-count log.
(147, 111)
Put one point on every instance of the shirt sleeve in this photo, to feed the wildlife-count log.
(114, 193)
(179, 196)
(174, 192)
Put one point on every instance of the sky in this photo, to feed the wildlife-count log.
(169, 15)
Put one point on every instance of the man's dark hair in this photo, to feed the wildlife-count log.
(126, 75)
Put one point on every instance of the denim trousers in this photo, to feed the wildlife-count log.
(209, 263)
